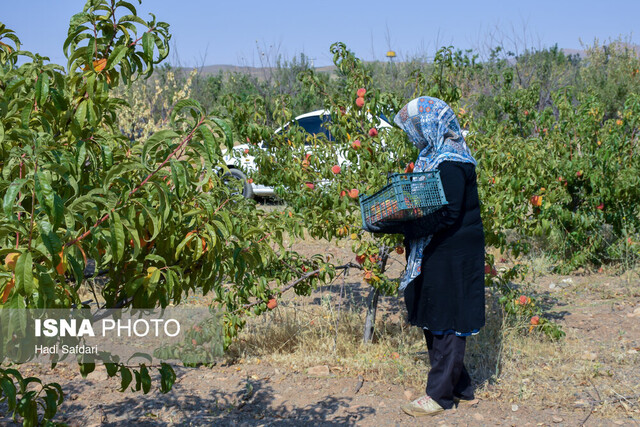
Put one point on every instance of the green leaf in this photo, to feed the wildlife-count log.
(81, 156)
(45, 195)
(24, 274)
(9, 390)
(167, 377)
(119, 52)
(162, 136)
(16, 374)
(50, 239)
(60, 393)
(209, 142)
(28, 408)
(142, 355)
(9, 200)
(155, 258)
(151, 215)
(13, 86)
(79, 57)
(42, 89)
(76, 268)
(126, 378)
(107, 157)
(77, 20)
(118, 172)
(228, 133)
(112, 369)
(58, 210)
(145, 379)
(86, 369)
(81, 113)
(138, 381)
(175, 176)
(51, 402)
(59, 101)
(127, 5)
(190, 104)
(181, 246)
(147, 45)
(117, 236)
(126, 19)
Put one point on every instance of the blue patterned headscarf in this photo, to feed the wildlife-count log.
(433, 128)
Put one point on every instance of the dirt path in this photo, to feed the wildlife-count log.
(596, 366)
(219, 396)
(603, 336)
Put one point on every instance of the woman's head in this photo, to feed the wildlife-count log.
(433, 128)
(427, 120)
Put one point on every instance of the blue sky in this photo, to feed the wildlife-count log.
(236, 32)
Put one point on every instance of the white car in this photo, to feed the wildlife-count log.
(239, 161)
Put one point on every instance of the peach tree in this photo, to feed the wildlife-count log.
(321, 176)
(562, 178)
(81, 200)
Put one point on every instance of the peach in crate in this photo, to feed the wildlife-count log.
(406, 196)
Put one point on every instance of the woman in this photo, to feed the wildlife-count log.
(444, 281)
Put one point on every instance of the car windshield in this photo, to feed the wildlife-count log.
(314, 125)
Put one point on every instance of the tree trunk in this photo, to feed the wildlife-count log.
(372, 303)
(370, 321)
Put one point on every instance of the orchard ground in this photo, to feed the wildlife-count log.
(303, 362)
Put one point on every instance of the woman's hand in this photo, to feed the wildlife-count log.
(385, 227)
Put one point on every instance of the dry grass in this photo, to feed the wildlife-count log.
(506, 364)
(565, 375)
(301, 334)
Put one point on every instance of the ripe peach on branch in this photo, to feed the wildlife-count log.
(490, 270)
(409, 168)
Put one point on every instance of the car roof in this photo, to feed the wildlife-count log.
(384, 122)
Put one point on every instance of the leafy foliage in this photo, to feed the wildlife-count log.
(74, 189)
(143, 196)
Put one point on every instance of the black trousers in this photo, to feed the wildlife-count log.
(447, 377)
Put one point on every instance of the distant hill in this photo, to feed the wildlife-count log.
(259, 72)
(581, 53)
(262, 72)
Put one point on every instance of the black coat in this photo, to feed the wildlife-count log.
(449, 293)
